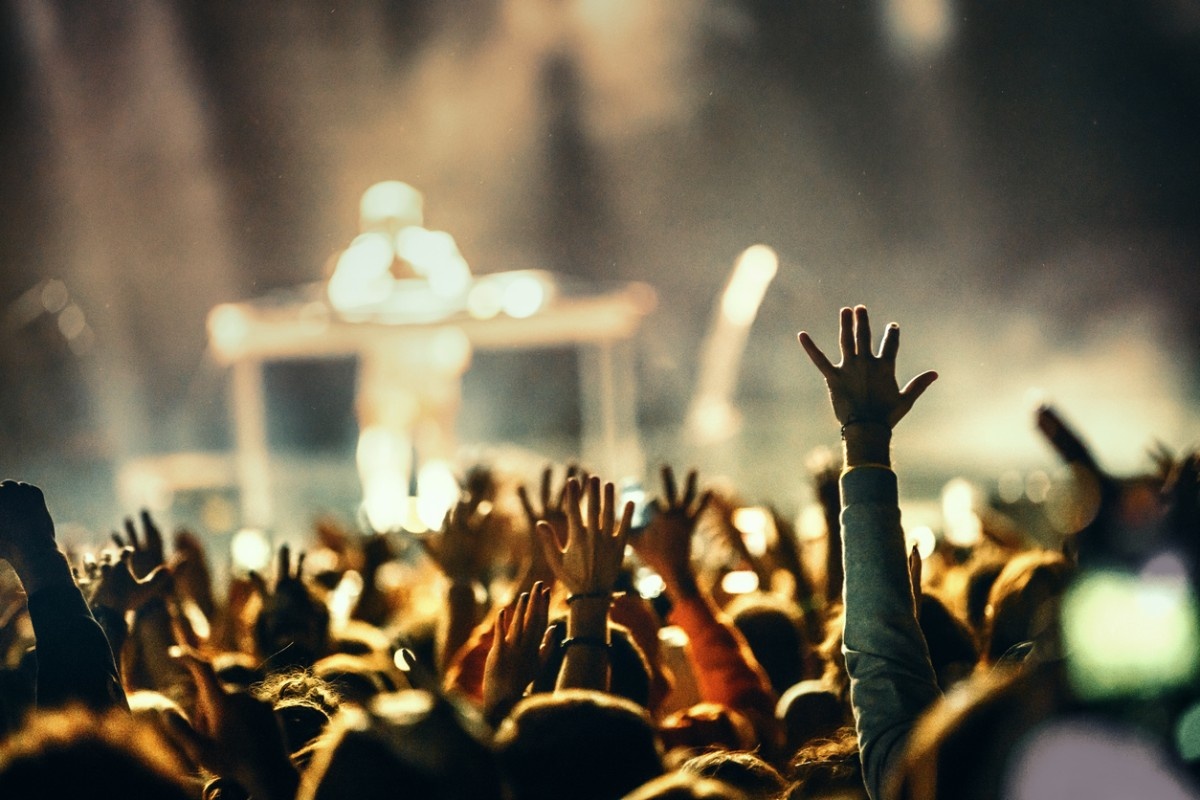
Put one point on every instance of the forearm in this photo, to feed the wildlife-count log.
(461, 618)
(586, 657)
(891, 680)
(74, 660)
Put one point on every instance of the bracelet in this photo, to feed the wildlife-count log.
(863, 421)
(610, 596)
(587, 641)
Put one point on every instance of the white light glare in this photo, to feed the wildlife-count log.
(390, 202)
(961, 523)
(755, 269)
(250, 549)
(523, 297)
(228, 328)
(752, 522)
(434, 255)
(437, 492)
(921, 536)
(363, 275)
(741, 581)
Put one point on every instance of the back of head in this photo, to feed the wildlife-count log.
(810, 710)
(74, 753)
(407, 744)
(774, 629)
(577, 743)
(951, 646)
(684, 786)
(829, 768)
(1023, 604)
(754, 777)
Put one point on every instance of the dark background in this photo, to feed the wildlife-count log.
(1015, 182)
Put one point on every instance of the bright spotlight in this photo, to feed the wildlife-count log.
(437, 492)
(250, 549)
(390, 203)
(523, 297)
(228, 328)
(755, 270)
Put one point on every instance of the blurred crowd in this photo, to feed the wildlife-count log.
(552, 640)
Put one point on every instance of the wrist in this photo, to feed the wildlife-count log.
(41, 568)
(866, 443)
(588, 616)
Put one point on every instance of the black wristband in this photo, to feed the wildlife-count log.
(863, 421)
(586, 641)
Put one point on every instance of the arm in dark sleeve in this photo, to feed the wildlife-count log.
(891, 679)
(74, 661)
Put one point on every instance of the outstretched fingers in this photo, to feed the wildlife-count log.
(862, 331)
(816, 356)
(890, 345)
(846, 333)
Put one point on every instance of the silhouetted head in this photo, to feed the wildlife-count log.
(580, 744)
(748, 773)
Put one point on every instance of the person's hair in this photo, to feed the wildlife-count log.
(951, 646)
(406, 744)
(774, 629)
(835, 675)
(828, 767)
(683, 786)
(355, 678)
(757, 779)
(981, 576)
(1022, 605)
(577, 743)
(810, 710)
(303, 704)
(707, 725)
(77, 753)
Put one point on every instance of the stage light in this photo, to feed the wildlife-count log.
(960, 518)
(390, 203)
(649, 583)
(71, 322)
(922, 537)
(385, 499)
(362, 277)
(1011, 486)
(755, 269)
(741, 581)
(437, 492)
(228, 328)
(250, 549)
(752, 523)
(523, 296)
(54, 296)
(485, 300)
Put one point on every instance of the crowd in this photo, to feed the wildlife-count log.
(518, 659)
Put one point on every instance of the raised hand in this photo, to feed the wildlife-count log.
(862, 386)
(553, 512)
(25, 524)
(666, 543)
(114, 586)
(293, 627)
(148, 551)
(513, 660)
(589, 562)
(461, 550)
(189, 568)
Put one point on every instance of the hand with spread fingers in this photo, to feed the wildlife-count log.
(552, 512)
(461, 549)
(512, 662)
(148, 551)
(862, 386)
(589, 561)
(114, 586)
(866, 398)
(666, 543)
(293, 627)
